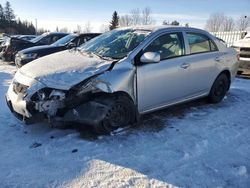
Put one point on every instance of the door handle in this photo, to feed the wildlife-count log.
(185, 65)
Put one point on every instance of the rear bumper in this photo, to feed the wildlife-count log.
(5, 56)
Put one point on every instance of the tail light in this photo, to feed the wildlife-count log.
(238, 56)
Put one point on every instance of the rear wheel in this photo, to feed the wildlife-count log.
(121, 113)
(219, 89)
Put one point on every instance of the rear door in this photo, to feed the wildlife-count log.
(201, 60)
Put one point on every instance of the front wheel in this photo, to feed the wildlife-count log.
(121, 113)
(219, 89)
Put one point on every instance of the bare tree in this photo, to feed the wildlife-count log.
(136, 17)
(87, 27)
(104, 28)
(146, 16)
(243, 22)
(228, 24)
(78, 29)
(125, 21)
(64, 29)
(215, 22)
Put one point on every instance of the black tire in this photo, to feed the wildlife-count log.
(121, 113)
(219, 89)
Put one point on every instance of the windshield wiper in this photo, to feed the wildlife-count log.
(101, 57)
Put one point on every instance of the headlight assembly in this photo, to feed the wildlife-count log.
(29, 56)
(48, 94)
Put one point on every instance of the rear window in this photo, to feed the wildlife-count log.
(200, 43)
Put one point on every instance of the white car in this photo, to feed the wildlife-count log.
(114, 78)
(243, 48)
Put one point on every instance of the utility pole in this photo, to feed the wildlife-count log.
(36, 26)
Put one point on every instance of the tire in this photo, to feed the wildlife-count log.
(121, 113)
(219, 89)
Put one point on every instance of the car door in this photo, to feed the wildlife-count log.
(165, 82)
(202, 59)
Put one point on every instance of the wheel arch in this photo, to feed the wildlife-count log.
(227, 73)
(104, 94)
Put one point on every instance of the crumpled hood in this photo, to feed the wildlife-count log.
(64, 69)
(242, 43)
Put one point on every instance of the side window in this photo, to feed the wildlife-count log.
(45, 40)
(168, 45)
(54, 39)
(199, 43)
(83, 40)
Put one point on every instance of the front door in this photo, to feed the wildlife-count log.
(166, 81)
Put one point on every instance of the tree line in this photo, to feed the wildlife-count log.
(220, 22)
(136, 17)
(10, 25)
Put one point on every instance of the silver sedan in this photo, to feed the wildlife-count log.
(111, 80)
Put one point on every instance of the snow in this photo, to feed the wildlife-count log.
(191, 145)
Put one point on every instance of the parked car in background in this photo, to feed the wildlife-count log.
(26, 37)
(243, 48)
(69, 41)
(111, 80)
(14, 44)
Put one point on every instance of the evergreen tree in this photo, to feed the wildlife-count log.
(114, 22)
(9, 25)
(1, 13)
(2, 19)
(8, 12)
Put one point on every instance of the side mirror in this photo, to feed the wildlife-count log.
(72, 45)
(150, 57)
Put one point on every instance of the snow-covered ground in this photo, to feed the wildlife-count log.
(192, 145)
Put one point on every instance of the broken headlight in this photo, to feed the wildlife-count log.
(48, 94)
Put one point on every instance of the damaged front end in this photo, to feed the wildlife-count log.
(86, 102)
(75, 105)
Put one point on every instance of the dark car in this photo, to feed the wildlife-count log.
(14, 44)
(26, 37)
(70, 41)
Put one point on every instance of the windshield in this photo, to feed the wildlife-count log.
(39, 37)
(65, 40)
(115, 44)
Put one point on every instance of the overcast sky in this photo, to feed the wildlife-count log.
(70, 13)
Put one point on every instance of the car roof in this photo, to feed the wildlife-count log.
(89, 34)
(161, 27)
(51, 33)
